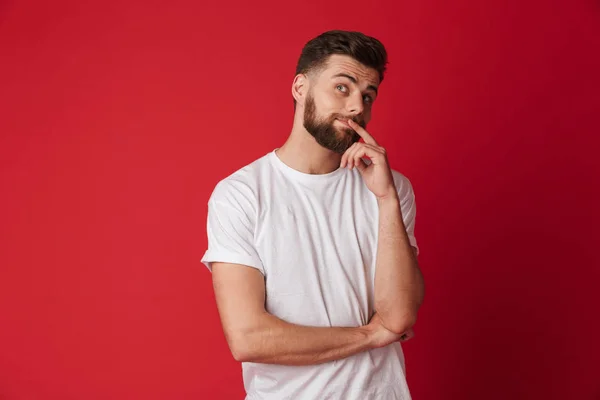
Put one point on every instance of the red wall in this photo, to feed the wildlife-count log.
(117, 119)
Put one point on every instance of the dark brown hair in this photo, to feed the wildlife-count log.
(364, 49)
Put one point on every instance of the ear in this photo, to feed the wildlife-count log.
(300, 88)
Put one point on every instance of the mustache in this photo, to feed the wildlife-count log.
(355, 119)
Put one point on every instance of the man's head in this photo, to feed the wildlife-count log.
(337, 77)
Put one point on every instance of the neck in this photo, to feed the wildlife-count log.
(302, 152)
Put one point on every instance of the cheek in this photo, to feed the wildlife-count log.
(332, 106)
(328, 102)
(322, 111)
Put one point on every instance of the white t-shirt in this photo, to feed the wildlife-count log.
(314, 238)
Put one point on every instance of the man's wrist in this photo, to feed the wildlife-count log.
(369, 336)
(390, 199)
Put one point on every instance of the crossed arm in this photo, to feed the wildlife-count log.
(254, 335)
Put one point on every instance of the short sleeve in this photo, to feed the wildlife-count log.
(408, 206)
(230, 232)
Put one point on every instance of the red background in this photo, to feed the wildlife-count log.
(118, 118)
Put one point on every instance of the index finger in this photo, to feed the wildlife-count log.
(362, 132)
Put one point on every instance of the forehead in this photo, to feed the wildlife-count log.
(338, 63)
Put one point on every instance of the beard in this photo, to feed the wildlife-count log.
(325, 133)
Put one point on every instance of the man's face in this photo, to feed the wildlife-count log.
(344, 90)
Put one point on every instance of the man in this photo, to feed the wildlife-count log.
(312, 246)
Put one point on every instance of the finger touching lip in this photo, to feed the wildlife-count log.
(343, 121)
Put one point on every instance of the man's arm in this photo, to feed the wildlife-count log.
(399, 286)
(254, 335)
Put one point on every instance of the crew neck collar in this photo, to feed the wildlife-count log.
(294, 173)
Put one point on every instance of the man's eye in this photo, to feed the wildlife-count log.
(368, 99)
(341, 88)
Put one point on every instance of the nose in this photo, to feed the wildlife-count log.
(355, 104)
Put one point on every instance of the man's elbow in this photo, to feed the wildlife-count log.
(248, 344)
(240, 354)
(400, 323)
(240, 347)
(246, 340)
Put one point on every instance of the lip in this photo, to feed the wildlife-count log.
(343, 121)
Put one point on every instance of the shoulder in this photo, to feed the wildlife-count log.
(403, 185)
(240, 189)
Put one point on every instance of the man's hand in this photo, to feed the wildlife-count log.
(381, 336)
(377, 175)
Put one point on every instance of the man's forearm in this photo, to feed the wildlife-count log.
(399, 286)
(275, 341)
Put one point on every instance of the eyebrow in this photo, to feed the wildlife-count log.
(353, 79)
